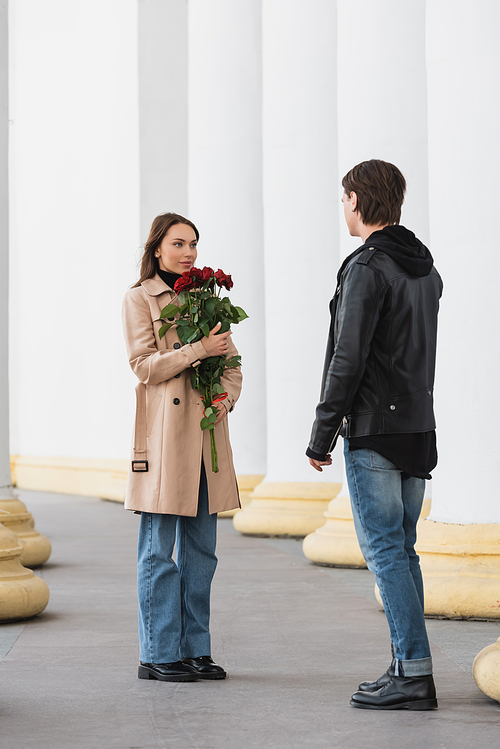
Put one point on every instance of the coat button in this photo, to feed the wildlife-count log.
(176, 401)
(429, 392)
(393, 408)
(177, 376)
(170, 319)
(177, 345)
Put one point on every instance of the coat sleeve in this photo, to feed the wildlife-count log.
(149, 364)
(357, 316)
(232, 379)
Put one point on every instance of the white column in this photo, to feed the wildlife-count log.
(381, 114)
(301, 256)
(22, 594)
(382, 100)
(74, 227)
(225, 191)
(163, 119)
(5, 477)
(459, 550)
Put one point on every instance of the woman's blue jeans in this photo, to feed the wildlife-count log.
(174, 599)
(386, 506)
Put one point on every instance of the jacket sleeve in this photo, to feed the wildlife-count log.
(232, 379)
(357, 316)
(149, 364)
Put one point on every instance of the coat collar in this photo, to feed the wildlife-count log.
(155, 286)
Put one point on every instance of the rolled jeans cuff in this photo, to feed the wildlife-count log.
(415, 667)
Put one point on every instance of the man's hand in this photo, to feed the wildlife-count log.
(316, 464)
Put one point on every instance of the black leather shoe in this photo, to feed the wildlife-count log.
(372, 686)
(177, 671)
(400, 693)
(205, 667)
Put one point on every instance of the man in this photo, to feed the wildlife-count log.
(377, 392)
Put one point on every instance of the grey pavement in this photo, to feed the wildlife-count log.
(295, 638)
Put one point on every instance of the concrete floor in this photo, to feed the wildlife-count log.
(296, 640)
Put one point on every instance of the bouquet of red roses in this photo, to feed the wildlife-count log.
(201, 308)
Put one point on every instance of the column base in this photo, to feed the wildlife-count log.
(22, 593)
(289, 509)
(335, 544)
(461, 569)
(246, 485)
(36, 548)
(486, 670)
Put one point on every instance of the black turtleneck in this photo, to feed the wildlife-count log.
(168, 278)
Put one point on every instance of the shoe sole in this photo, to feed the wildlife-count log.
(146, 673)
(212, 677)
(416, 705)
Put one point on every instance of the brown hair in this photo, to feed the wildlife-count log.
(380, 188)
(161, 224)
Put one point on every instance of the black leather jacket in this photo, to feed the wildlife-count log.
(379, 367)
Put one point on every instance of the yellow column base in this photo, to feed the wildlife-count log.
(285, 508)
(246, 485)
(335, 544)
(486, 670)
(36, 548)
(22, 594)
(461, 569)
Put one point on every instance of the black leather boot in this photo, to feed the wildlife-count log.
(205, 667)
(372, 686)
(177, 671)
(400, 693)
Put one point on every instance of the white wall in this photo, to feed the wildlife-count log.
(74, 224)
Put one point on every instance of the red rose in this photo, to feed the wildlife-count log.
(197, 276)
(207, 274)
(184, 282)
(224, 280)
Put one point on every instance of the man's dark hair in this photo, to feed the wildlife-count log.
(380, 188)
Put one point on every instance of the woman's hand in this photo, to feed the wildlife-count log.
(222, 413)
(216, 345)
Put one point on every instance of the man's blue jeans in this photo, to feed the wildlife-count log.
(174, 599)
(386, 507)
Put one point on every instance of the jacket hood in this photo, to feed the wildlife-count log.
(404, 248)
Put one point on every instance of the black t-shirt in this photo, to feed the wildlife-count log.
(414, 454)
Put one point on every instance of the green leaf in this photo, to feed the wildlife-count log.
(235, 361)
(204, 423)
(164, 329)
(208, 411)
(170, 310)
(212, 418)
(210, 306)
(218, 389)
(242, 315)
(224, 327)
(205, 329)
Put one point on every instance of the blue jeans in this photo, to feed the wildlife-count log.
(386, 507)
(174, 599)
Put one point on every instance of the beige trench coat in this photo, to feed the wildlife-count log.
(167, 430)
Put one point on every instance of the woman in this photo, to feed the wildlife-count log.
(170, 482)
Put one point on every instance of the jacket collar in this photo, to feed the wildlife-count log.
(155, 286)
